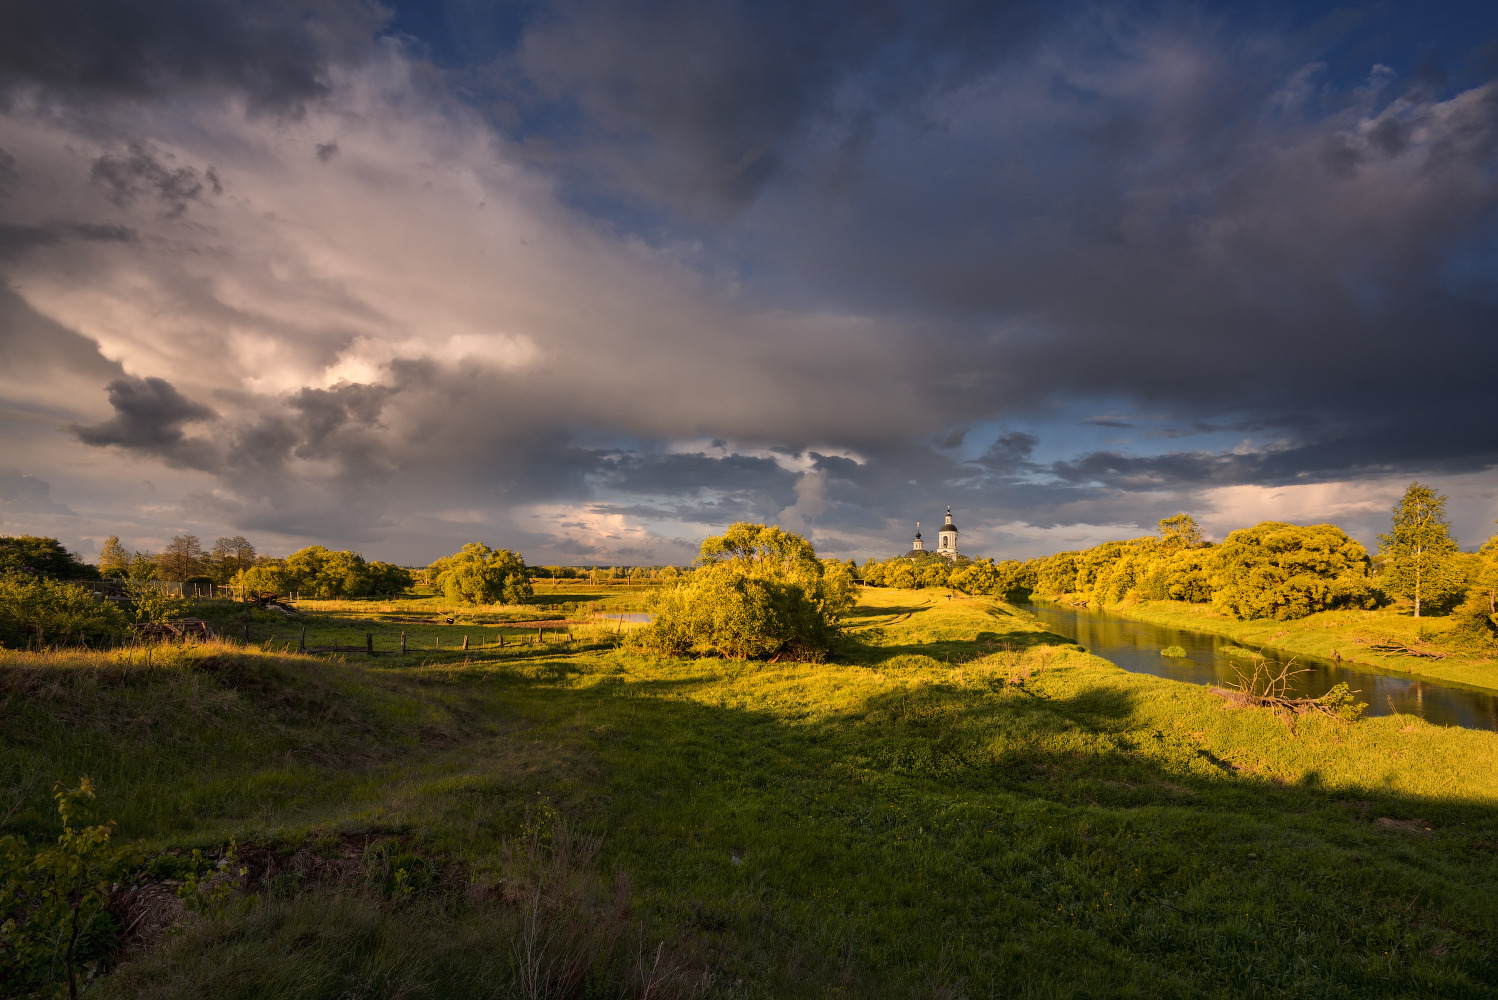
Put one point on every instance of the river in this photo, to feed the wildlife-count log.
(1136, 646)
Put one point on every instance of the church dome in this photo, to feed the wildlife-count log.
(949, 527)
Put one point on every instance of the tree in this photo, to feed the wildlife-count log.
(1279, 570)
(1180, 531)
(143, 566)
(758, 591)
(114, 561)
(38, 556)
(478, 574)
(181, 558)
(321, 572)
(230, 556)
(1487, 572)
(1418, 546)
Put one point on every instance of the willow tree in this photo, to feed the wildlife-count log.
(1419, 547)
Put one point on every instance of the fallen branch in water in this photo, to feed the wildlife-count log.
(1266, 688)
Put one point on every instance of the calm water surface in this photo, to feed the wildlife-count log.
(1136, 646)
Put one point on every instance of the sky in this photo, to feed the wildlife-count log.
(592, 280)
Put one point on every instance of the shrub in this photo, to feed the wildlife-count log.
(1174, 652)
(758, 592)
(53, 901)
(48, 611)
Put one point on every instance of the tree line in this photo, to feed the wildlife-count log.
(1271, 570)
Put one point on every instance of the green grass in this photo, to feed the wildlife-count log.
(1332, 634)
(434, 627)
(959, 804)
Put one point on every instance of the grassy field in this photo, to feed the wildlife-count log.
(434, 626)
(1348, 634)
(959, 804)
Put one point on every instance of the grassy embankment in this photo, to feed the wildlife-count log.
(959, 804)
(1329, 634)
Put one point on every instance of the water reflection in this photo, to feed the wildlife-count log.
(1136, 646)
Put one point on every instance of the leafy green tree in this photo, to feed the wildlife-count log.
(758, 591)
(142, 567)
(1486, 580)
(114, 561)
(1057, 574)
(389, 580)
(43, 557)
(1180, 531)
(478, 574)
(320, 572)
(1278, 570)
(266, 578)
(1419, 547)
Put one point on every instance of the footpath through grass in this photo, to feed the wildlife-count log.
(1331, 634)
(961, 804)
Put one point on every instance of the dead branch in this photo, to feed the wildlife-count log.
(1268, 688)
(1407, 650)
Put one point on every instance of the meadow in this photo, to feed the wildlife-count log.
(957, 804)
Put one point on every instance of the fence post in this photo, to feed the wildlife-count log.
(403, 643)
(501, 640)
(539, 638)
(301, 646)
(465, 643)
(369, 643)
(246, 633)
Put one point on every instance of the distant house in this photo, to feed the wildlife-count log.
(946, 541)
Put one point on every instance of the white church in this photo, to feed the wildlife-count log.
(946, 541)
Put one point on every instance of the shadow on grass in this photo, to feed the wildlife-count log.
(953, 835)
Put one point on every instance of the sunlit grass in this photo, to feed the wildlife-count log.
(958, 800)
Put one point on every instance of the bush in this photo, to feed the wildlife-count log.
(478, 574)
(48, 611)
(1174, 652)
(758, 592)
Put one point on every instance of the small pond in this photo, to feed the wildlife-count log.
(1136, 646)
(632, 616)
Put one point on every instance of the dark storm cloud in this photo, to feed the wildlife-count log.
(276, 53)
(141, 171)
(149, 416)
(677, 474)
(44, 352)
(708, 103)
(1009, 453)
(17, 240)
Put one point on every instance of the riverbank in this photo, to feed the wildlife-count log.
(1332, 635)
